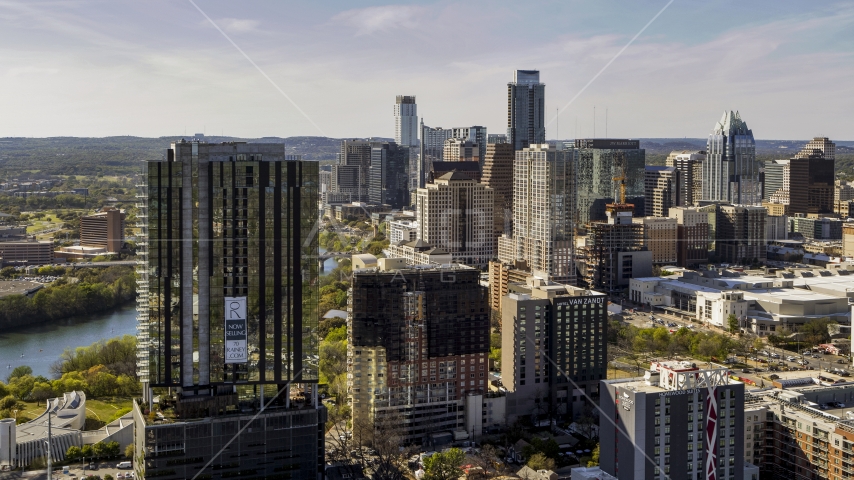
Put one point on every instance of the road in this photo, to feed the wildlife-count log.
(76, 471)
(756, 368)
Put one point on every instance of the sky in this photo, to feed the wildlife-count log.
(660, 68)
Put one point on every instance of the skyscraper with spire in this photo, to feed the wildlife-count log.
(730, 172)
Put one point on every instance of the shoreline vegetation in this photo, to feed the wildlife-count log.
(78, 292)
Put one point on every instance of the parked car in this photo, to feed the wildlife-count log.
(841, 361)
(791, 358)
(746, 370)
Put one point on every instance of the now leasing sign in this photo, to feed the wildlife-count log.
(235, 330)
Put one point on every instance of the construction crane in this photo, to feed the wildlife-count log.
(622, 178)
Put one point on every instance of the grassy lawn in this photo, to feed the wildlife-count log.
(104, 410)
(44, 224)
(98, 412)
(615, 374)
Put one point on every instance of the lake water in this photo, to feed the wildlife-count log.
(42, 344)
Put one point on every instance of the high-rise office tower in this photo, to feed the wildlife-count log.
(104, 229)
(820, 147)
(740, 234)
(432, 150)
(730, 172)
(660, 238)
(543, 201)
(232, 313)
(692, 236)
(455, 213)
(433, 140)
(406, 121)
(661, 190)
(413, 356)
(459, 150)
(476, 135)
(526, 98)
(351, 174)
(554, 348)
(600, 161)
(805, 183)
(387, 183)
(690, 167)
(498, 175)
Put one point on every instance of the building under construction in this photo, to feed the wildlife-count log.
(418, 342)
(614, 251)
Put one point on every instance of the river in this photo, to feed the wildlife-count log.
(329, 264)
(42, 344)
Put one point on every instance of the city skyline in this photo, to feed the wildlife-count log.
(119, 70)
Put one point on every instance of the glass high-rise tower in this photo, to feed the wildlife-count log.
(730, 172)
(526, 98)
(232, 310)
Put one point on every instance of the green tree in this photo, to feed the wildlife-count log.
(333, 359)
(595, 460)
(19, 371)
(539, 461)
(41, 391)
(113, 449)
(8, 402)
(328, 324)
(4, 390)
(129, 451)
(21, 387)
(444, 465)
(99, 450)
(732, 323)
(86, 451)
(73, 453)
(816, 331)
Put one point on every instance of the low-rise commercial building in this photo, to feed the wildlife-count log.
(763, 305)
(30, 252)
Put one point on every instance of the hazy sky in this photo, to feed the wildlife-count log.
(152, 68)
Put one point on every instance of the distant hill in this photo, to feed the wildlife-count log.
(123, 155)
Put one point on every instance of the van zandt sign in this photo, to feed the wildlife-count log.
(235, 330)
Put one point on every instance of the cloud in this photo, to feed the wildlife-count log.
(237, 25)
(371, 20)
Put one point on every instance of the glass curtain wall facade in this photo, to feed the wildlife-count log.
(730, 172)
(599, 162)
(388, 175)
(232, 221)
(526, 98)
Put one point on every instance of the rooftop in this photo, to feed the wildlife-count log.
(18, 287)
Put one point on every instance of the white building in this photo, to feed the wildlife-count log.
(402, 231)
(715, 307)
(406, 121)
(455, 213)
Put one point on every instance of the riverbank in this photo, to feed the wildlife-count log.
(41, 344)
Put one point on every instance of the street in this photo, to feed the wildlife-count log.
(758, 367)
(76, 471)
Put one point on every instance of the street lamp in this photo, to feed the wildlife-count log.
(49, 444)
